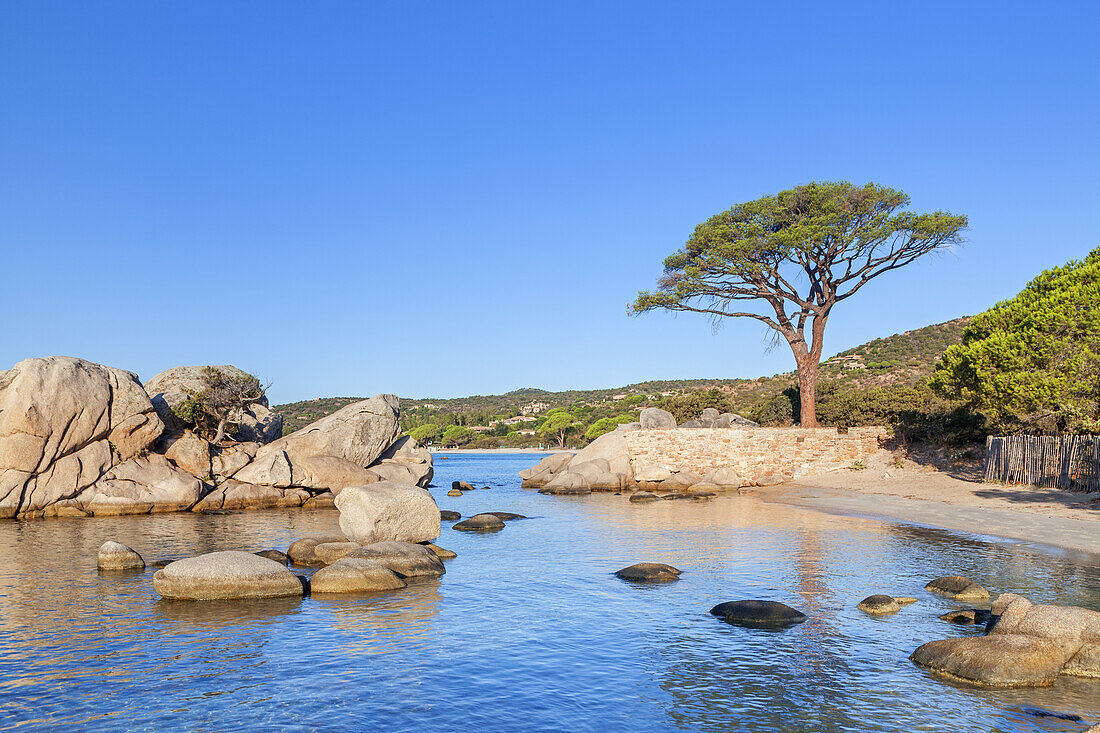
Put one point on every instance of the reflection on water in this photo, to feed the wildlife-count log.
(528, 628)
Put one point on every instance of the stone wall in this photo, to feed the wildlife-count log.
(788, 453)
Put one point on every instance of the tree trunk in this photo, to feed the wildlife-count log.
(221, 432)
(807, 390)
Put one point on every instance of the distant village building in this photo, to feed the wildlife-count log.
(534, 408)
(619, 396)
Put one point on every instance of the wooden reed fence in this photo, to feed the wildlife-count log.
(1070, 462)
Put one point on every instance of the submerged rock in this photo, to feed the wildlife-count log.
(227, 574)
(480, 523)
(879, 605)
(407, 559)
(448, 515)
(117, 556)
(649, 572)
(642, 497)
(958, 586)
(758, 614)
(354, 575)
(970, 617)
(506, 516)
(275, 555)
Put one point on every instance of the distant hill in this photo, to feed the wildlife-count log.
(902, 359)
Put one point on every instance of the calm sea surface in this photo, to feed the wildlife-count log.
(528, 630)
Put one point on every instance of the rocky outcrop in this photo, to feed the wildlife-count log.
(227, 574)
(80, 439)
(541, 474)
(64, 423)
(1026, 645)
(171, 388)
(388, 511)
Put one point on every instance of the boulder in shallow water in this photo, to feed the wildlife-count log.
(993, 661)
(387, 511)
(506, 516)
(758, 614)
(354, 575)
(407, 559)
(879, 605)
(958, 586)
(301, 552)
(117, 556)
(275, 555)
(454, 492)
(441, 553)
(643, 497)
(227, 574)
(649, 572)
(329, 552)
(448, 515)
(462, 486)
(567, 483)
(480, 523)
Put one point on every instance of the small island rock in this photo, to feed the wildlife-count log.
(758, 614)
(642, 497)
(388, 512)
(448, 515)
(649, 572)
(226, 574)
(879, 605)
(958, 586)
(480, 523)
(117, 556)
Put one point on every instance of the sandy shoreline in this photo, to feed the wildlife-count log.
(927, 496)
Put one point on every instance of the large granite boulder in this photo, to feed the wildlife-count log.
(150, 483)
(540, 474)
(359, 433)
(227, 574)
(64, 423)
(169, 389)
(1026, 645)
(654, 418)
(407, 453)
(388, 511)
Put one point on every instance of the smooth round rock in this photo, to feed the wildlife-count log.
(227, 574)
(454, 492)
(958, 586)
(1004, 660)
(329, 552)
(275, 555)
(506, 516)
(461, 486)
(441, 553)
(480, 523)
(649, 572)
(354, 575)
(117, 556)
(301, 552)
(449, 515)
(879, 605)
(758, 614)
(407, 559)
(643, 497)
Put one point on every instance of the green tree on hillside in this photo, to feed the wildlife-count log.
(427, 432)
(457, 435)
(795, 255)
(558, 425)
(1033, 363)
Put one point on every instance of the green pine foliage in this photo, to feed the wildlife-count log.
(1032, 363)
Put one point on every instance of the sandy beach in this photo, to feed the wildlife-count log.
(954, 499)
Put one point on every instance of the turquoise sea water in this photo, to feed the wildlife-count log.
(528, 630)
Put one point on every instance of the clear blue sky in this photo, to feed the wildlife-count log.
(443, 199)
